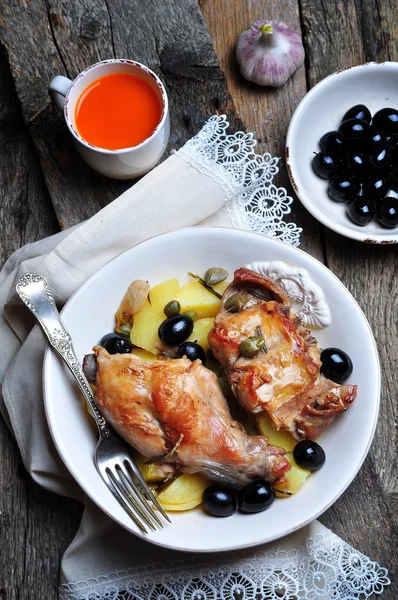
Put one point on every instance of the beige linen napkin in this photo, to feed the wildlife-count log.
(104, 561)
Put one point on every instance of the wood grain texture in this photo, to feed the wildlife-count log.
(265, 111)
(49, 37)
(26, 213)
(33, 529)
(36, 528)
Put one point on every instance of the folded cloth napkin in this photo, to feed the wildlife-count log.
(216, 179)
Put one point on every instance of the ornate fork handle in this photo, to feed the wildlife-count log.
(34, 291)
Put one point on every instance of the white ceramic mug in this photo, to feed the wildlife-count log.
(126, 163)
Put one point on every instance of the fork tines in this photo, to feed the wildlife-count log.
(134, 495)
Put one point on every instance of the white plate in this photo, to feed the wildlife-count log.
(89, 314)
(321, 110)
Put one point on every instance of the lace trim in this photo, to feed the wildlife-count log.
(254, 202)
(326, 568)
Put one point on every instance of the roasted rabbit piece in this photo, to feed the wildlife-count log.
(283, 379)
(175, 410)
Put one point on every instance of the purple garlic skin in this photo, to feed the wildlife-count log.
(269, 52)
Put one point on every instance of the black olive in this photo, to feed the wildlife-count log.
(256, 496)
(309, 455)
(175, 330)
(325, 165)
(218, 501)
(360, 111)
(334, 142)
(356, 164)
(380, 157)
(361, 210)
(387, 212)
(375, 185)
(357, 131)
(193, 351)
(393, 144)
(386, 121)
(343, 189)
(378, 139)
(116, 344)
(336, 364)
(393, 176)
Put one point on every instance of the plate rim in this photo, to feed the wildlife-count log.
(153, 540)
(304, 197)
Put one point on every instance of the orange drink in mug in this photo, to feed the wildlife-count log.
(117, 111)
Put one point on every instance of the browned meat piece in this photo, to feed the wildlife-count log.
(285, 380)
(154, 405)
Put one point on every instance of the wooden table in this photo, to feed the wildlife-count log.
(45, 187)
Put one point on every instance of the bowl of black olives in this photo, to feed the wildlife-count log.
(342, 152)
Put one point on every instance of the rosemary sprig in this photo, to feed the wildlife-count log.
(281, 492)
(167, 481)
(260, 334)
(202, 282)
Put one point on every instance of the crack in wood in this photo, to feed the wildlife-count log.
(54, 38)
(111, 29)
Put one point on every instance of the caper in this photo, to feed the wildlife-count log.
(172, 308)
(215, 275)
(191, 313)
(251, 346)
(235, 303)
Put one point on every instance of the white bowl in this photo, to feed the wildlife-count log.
(89, 314)
(321, 110)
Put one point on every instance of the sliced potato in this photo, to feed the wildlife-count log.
(183, 493)
(144, 354)
(152, 472)
(144, 332)
(294, 478)
(181, 507)
(276, 438)
(201, 331)
(194, 296)
(162, 293)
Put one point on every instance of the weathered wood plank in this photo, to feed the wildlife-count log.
(59, 37)
(265, 111)
(26, 215)
(26, 30)
(36, 525)
(338, 35)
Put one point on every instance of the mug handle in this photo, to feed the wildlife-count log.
(58, 88)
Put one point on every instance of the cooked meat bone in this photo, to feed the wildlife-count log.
(150, 404)
(285, 382)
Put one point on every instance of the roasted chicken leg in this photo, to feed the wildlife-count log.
(284, 380)
(177, 407)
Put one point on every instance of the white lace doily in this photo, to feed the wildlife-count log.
(254, 202)
(326, 568)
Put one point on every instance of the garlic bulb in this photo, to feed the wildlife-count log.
(269, 52)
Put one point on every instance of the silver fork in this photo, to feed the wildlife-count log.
(112, 455)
